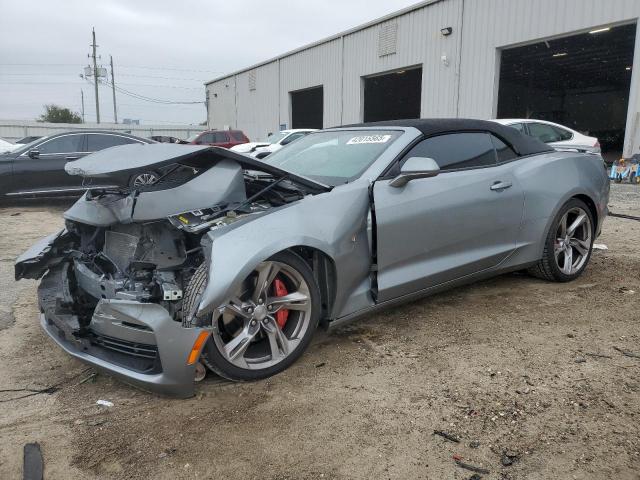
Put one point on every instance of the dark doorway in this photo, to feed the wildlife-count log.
(306, 108)
(393, 96)
(581, 81)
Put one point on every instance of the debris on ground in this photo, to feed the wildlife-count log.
(96, 421)
(626, 353)
(597, 355)
(105, 403)
(33, 468)
(600, 246)
(580, 360)
(508, 458)
(475, 476)
(91, 378)
(474, 444)
(321, 364)
(626, 290)
(448, 436)
(472, 468)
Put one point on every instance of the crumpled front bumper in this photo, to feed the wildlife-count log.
(138, 343)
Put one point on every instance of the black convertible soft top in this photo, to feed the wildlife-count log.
(522, 144)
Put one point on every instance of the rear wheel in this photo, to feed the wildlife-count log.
(568, 245)
(267, 324)
(143, 179)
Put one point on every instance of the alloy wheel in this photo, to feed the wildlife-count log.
(144, 179)
(573, 241)
(267, 319)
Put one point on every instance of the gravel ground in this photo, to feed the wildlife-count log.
(525, 374)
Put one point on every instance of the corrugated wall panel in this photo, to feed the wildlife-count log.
(320, 65)
(222, 103)
(257, 110)
(419, 42)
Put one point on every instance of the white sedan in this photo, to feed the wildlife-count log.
(273, 142)
(558, 136)
(8, 146)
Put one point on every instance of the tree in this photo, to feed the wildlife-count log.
(56, 114)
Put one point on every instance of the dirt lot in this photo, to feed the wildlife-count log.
(517, 369)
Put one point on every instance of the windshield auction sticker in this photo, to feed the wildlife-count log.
(369, 139)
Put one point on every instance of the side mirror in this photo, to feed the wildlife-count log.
(413, 168)
(34, 153)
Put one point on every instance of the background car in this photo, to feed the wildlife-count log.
(273, 142)
(6, 146)
(558, 136)
(37, 168)
(220, 138)
(167, 139)
(28, 139)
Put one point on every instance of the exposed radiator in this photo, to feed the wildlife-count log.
(120, 248)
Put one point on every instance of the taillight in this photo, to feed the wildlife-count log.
(597, 144)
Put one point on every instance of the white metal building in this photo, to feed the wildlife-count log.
(570, 61)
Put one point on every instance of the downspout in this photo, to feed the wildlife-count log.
(459, 72)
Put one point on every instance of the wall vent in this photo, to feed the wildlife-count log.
(252, 79)
(387, 38)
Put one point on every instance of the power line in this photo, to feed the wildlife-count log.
(119, 66)
(150, 99)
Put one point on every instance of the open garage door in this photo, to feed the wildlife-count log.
(393, 96)
(581, 81)
(306, 108)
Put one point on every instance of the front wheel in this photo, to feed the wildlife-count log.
(267, 324)
(568, 245)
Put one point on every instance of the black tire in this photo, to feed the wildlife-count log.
(212, 357)
(547, 267)
(133, 178)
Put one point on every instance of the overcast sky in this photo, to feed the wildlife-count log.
(161, 49)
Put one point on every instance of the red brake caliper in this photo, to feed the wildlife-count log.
(280, 291)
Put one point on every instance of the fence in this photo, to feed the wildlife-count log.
(15, 129)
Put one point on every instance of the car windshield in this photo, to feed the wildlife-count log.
(334, 157)
(274, 137)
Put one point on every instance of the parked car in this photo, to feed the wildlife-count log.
(29, 139)
(273, 142)
(231, 263)
(167, 139)
(558, 136)
(220, 138)
(37, 168)
(6, 146)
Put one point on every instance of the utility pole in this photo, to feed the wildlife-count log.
(113, 89)
(82, 100)
(95, 74)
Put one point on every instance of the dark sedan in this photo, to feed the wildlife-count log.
(37, 168)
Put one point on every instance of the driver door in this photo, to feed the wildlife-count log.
(46, 171)
(462, 221)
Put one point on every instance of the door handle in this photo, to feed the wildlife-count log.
(71, 158)
(500, 185)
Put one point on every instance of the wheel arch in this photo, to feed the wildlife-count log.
(592, 208)
(324, 270)
(584, 197)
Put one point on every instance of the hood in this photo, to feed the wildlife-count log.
(135, 157)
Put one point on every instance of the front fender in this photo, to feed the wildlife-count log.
(334, 223)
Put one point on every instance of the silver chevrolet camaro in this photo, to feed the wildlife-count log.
(231, 264)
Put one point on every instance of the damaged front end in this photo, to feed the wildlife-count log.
(116, 282)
